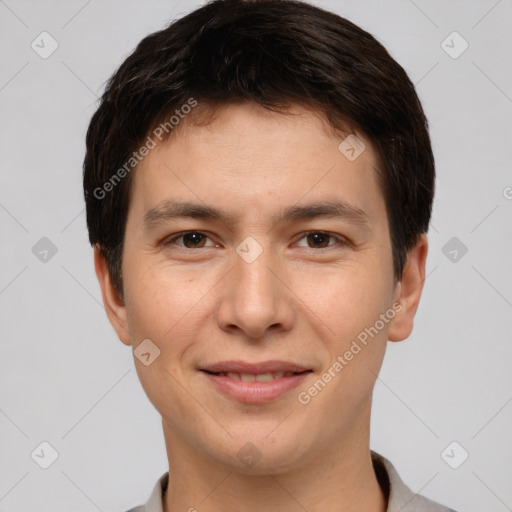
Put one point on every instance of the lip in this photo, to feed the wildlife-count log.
(239, 366)
(255, 392)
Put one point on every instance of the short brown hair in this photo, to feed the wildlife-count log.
(274, 53)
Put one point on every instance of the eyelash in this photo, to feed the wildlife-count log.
(342, 242)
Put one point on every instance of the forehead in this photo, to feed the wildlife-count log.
(250, 159)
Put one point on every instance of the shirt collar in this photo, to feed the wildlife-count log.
(400, 497)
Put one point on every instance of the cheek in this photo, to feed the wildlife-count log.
(162, 308)
(152, 293)
(347, 299)
(166, 305)
(357, 337)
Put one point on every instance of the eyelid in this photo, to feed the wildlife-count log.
(169, 240)
(342, 241)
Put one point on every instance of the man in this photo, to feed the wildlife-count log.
(259, 182)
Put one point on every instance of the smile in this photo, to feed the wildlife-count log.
(255, 388)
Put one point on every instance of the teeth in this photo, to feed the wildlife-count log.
(261, 377)
(266, 377)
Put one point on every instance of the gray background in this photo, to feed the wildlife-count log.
(67, 380)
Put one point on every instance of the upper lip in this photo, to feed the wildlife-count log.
(254, 368)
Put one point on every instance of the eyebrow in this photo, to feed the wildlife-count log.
(170, 209)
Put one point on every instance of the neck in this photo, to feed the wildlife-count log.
(339, 477)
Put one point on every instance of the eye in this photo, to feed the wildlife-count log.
(197, 240)
(191, 240)
(320, 240)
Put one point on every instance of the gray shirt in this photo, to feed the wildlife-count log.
(400, 497)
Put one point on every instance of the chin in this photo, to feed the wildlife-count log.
(261, 454)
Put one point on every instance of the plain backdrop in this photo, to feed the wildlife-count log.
(65, 379)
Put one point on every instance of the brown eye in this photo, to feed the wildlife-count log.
(318, 239)
(191, 240)
(194, 239)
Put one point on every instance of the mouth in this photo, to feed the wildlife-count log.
(259, 377)
(255, 383)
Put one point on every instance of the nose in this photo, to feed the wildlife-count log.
(255, 298)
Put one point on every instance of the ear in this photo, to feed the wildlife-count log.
(112, 301)
(408, 291)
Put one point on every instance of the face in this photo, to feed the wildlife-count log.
(282, 266)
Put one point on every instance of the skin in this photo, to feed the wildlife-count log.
(301, 300)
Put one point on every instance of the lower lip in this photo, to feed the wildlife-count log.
(256, 392)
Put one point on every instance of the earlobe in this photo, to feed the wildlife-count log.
(112, 301)
(408, 291)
